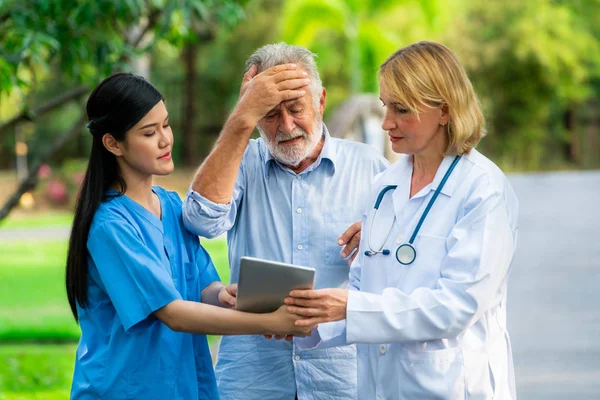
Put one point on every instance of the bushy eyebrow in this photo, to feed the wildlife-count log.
(287, 104)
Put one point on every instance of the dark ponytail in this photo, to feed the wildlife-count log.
(114, 107)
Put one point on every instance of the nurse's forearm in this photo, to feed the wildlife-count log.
(193, 317)
(216, 176)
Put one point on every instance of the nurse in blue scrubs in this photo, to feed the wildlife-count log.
(142, 288)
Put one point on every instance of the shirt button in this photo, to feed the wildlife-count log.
(399, 239)
(298, 177)
(299, 247)
(297, 358)
(298, 210)
(382, 349)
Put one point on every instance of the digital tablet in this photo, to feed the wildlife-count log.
(263, 285)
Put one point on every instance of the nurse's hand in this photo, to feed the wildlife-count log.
(228, 295)
(282, 324)
(318, 306)
(288, 338)
(351, 240)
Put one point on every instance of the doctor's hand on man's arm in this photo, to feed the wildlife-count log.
(350, 240)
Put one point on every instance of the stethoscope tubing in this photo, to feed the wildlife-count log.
(382, 193)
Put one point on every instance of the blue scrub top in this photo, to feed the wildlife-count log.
(137, 264)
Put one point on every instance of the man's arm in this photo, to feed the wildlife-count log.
(259, 94)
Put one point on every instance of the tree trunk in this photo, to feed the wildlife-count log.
(574, 147)
(190, 143)
(31, 115)
(592, 135)
(31, 180)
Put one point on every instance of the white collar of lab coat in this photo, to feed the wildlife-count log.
(400, 174)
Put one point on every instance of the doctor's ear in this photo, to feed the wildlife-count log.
(111, 144)
(445, 117)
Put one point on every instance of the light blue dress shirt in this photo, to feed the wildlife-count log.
(294, 218)
(137, 264)
(434, 329)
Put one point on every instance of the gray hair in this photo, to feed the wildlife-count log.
(281, 53)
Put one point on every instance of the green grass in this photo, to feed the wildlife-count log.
(33, 302)
(34, 308)
(41, 372)
(24, 221)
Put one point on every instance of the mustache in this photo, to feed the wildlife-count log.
(282, 136)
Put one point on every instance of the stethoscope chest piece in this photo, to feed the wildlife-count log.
(406, 254)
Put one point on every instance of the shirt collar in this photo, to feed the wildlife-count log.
(450, 184)
(328, 152)
(403, 175)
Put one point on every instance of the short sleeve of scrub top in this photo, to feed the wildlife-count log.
(135, 280)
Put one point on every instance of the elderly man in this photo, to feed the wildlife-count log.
(284, 197)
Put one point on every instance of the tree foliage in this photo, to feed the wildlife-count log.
(88, 39)
(78, 42)
(362, 28)
(531, 62)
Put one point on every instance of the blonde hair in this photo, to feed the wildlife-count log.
(428, 73)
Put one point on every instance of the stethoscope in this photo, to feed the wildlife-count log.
(405, 253)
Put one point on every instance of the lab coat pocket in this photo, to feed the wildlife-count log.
(437, 374)
(480, 378)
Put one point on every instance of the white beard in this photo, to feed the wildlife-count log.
(293, 154)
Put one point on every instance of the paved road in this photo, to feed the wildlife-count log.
(554, 292)
(52, 232)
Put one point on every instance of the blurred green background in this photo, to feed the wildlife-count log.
(535, 65)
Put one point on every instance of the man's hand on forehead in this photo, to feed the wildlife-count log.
(264, 92)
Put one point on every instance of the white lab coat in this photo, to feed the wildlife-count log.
(435, 329)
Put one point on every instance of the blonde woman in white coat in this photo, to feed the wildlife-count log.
(426, 299)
